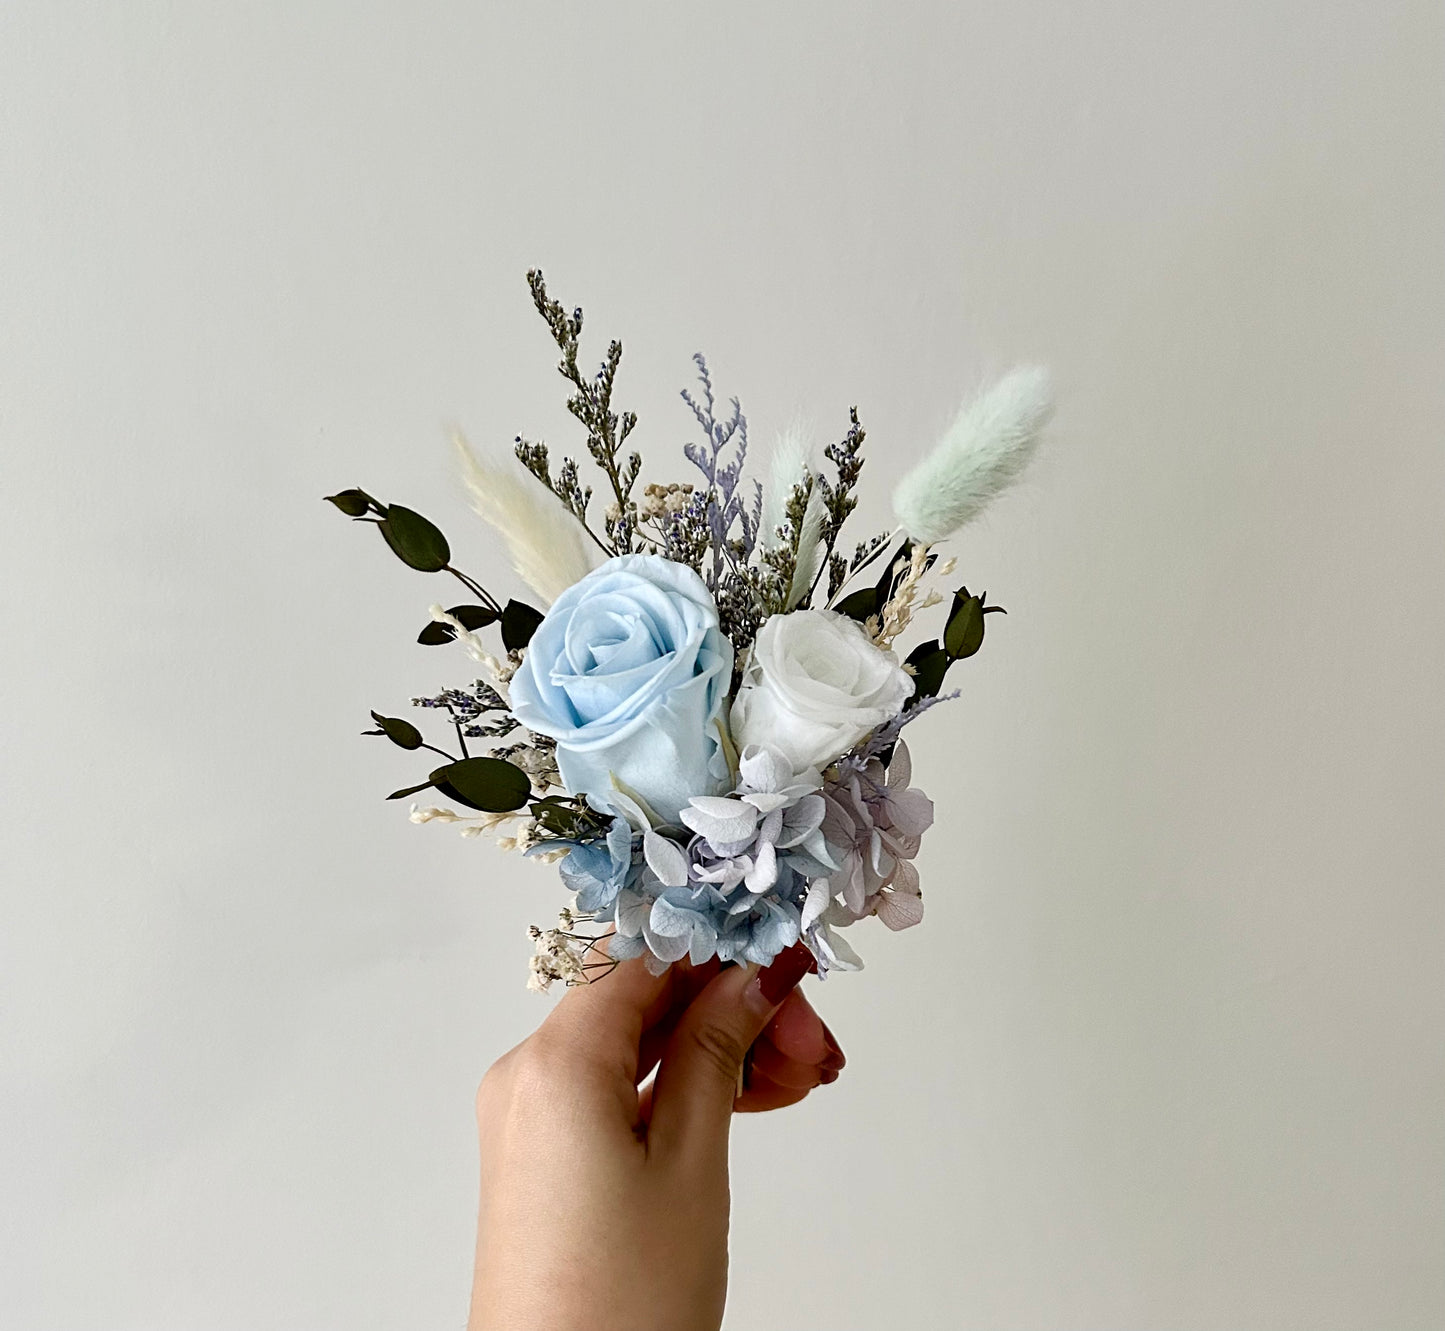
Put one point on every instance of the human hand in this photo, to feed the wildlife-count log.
(605, 1207)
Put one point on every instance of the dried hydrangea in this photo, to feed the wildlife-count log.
(876, 820)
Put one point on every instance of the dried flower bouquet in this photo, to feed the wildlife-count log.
(703, 728)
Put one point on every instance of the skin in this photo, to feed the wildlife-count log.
(605, 1190)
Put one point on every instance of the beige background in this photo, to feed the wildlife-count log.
(1167, 1051)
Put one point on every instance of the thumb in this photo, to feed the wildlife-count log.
(692, 1103)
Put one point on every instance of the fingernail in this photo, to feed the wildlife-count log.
(834, 1059)
(777, 981)
(827, 1076)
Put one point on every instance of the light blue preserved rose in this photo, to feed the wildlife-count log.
(629, 673)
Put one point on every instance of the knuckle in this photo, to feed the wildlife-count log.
(494, 1090)
(518, 1075)
(534, 1065)
(538, 1057)
(718, 1048)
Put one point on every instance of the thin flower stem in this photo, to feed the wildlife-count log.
(476, 589)
(598, 542)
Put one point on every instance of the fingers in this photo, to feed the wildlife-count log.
(600, 1026)
(798, 1032)
(688, 981)
(620, 1027)
(765, 1096)
(765, 1062)
(698, 1081)
(793, 1056)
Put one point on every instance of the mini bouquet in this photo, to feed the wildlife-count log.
(701, 723)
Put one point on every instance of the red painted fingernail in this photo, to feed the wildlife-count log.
(827, 1076)
(786, 973)
(834, 1059)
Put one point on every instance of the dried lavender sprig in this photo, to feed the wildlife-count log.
(726, 507)
(885, 737)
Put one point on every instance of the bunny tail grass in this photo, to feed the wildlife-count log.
(810, 547)
(549, 549)
(984, 452)
(790, 465)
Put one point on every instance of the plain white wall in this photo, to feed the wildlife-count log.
(1167, 1051)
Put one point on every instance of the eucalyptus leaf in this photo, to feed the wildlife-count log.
(492, 785)
(435, 634)
(859, 605)
(415, 540)
(555, 815)
(410, 790)
(471, 616)
(560, 815)
(519, 622)
(964, 634)
(353, 503)
(399, 732)
(930, 663)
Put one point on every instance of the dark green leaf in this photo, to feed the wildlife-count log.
(435, 634)
(490, 784)
(351, 502)
(964, 634)
(471, 616)
(930, 663)
(415, 540)
(558, 815)
(519, 622)
(399, 732)
(410, 790)
(859, 605)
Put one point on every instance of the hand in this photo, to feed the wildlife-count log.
(605, 1206)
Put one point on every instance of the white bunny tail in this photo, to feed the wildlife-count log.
(790, 465)
(810, 547)
(549, 548)
(984, 452)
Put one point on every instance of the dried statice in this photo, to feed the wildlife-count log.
(607, 430)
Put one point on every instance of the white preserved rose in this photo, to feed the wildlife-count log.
(816, 684)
